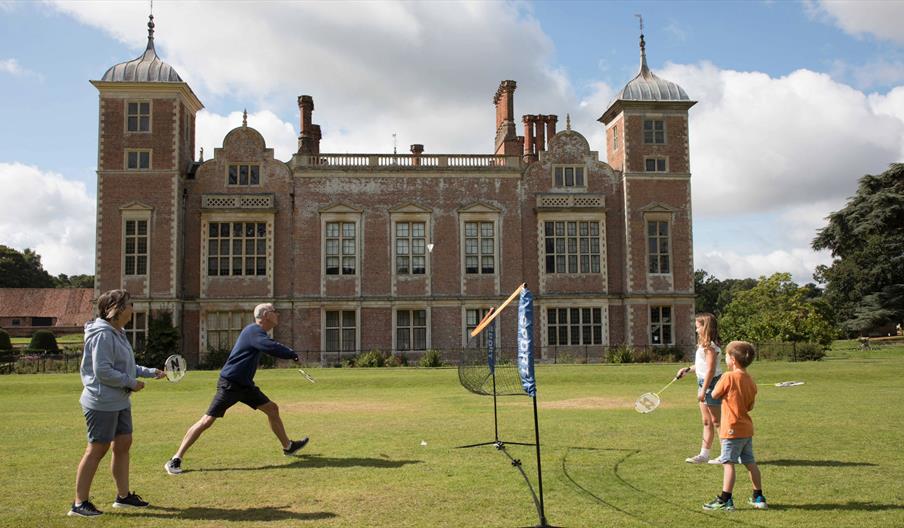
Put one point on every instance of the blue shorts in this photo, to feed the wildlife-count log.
(712, 385)
(104, 426)
(737, 451)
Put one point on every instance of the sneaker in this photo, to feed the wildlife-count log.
(132, 500)
(85, 509)
(758, 502)
(717, 460)
(295, 446)
(717, 504)
(173, 466)
(699, 459)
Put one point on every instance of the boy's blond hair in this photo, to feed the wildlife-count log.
(742, 352)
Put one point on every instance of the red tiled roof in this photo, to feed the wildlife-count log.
(70, 306)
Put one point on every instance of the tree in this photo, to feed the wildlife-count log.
(714, 295)
(75, 281)
(777, 310)
(22, 270)
(866, 239)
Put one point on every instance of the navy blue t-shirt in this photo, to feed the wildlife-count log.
(241, 366)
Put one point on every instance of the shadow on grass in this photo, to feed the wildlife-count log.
(853, 505)
(812, 463)
(275, 513)
(317, 461)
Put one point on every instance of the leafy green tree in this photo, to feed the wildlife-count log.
(75, 281)
(866, 238)
(22, 270)
(43, 341)
(163, 340)
(5, 342)
(714, 295)
(777, 310)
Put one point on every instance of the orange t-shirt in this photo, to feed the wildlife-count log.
(738, 392)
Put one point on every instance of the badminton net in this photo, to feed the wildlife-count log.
(475, 375)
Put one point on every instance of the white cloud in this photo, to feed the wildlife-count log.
(799, 262)
(11, 66)
(50, 214)
(761, 144)
(880, 18)
(424, 70)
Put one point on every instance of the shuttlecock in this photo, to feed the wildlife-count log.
(423, 442)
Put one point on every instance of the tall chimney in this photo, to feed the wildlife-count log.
(551, 127)
(506, 136)
(307, 144)
(540, 133)
(529, 146)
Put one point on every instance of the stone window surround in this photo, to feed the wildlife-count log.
(139, 151)
(341, 217)
(395, 327)
(126, 115)
(323, 328)
(657, 217)
(139, 214)
(665, 163)
(547, 326)
(481, 339)
(250, 216)
(667, 340)
(654, 119)
(409, 215)
(564, 184)
(478, 218)
(249, 164)
(598, 218)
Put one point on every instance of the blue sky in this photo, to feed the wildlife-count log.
(796, 100)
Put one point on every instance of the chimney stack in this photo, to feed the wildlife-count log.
(540, 134)
(506, 136)
(551, 127)
(529, 142)
(309, 139)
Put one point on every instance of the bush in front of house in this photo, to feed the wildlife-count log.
(43, 342)
(5, 342)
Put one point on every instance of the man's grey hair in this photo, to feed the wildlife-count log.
(261, 310)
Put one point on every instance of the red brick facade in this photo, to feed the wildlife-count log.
(333, 240)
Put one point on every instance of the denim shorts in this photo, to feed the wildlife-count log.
(104, 426)
(737, 451)
(712, 385)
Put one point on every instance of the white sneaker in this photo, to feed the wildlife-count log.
(173, 466)
(717, 460)
(699, 459)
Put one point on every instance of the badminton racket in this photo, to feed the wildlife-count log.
(174, 367)
(649, 401)
(307, 376)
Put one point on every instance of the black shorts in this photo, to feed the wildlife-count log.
(229, 393)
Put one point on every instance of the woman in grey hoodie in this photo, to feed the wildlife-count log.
(109, 374)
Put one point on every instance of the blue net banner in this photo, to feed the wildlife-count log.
(526, 342)
(491, 346)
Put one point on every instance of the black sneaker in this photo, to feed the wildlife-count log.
(173, 466)
(85, 509)
(295, 446)
(132, 500)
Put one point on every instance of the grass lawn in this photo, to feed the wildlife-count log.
(830, 450)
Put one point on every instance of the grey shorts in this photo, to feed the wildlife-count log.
(737, 451)
(712, 385)
(103, 426)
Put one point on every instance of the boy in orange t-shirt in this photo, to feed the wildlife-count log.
(738, 393)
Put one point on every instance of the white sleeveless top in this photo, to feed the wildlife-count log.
(700, 362)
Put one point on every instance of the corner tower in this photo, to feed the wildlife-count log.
(146, 131)
(647, 140)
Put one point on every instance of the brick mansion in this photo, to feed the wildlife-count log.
(397, 252)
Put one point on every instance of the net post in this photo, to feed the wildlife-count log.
(543, 523)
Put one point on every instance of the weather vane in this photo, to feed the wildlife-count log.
(640, 17)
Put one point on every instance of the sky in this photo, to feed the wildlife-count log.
(795, 100)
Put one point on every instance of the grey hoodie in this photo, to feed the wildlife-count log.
(108, 368)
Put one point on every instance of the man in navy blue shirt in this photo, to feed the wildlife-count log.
(236, 384)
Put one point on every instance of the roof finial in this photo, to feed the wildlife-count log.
(644, 69)
(202, 154)
(567, 121)
(245, 118)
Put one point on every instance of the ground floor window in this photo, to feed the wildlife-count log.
(341, 326)
(574, 326)
(660, 325)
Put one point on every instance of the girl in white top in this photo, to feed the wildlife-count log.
(707, 366)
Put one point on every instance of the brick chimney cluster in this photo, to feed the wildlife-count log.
(538, 130)
(309, 139)
(508, 143)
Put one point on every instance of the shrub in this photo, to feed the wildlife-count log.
(215, 359)
(767, 351)
(809, 352)
(621, 354)
(396, 360)
(5, 343)
(643, 355)
(669, 354)
(371, 358)
(43, 341)
(431, 359)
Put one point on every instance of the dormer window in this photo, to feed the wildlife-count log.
(244, 174)
(569, 176)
